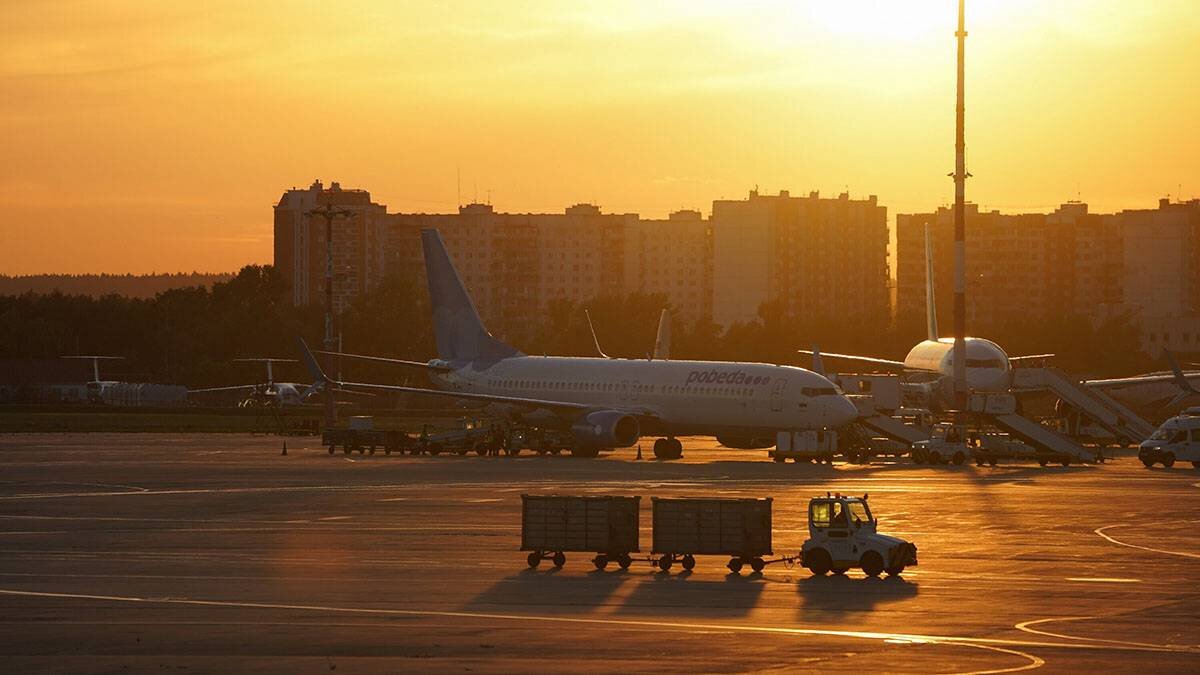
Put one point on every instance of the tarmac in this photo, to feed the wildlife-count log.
(215, 553)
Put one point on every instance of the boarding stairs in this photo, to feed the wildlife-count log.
(1001, 410)
(1114, 417)
(889, 427)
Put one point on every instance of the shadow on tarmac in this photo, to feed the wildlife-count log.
(840, 593)
(551, 589)
(734, 595)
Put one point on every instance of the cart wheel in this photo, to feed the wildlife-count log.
(361, 450)
(534, 559)
(689, 562)
(757, 564)
(1066, 461)
(559, 559)
(331, 449)
(372, 449)
(664, 563)
(979, 462)
(387, 449)
(734, 565)
(1168, 460)
(625, 561)
(958, 458)
(992, 462)
(935, 457)
(600, 561)
(345, 449)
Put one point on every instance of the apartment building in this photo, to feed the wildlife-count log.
(817, 258)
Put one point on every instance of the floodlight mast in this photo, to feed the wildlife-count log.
(960, 192)
(329, 213)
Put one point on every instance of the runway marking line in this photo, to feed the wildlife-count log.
(1025, 626)
(636, 623)
(1100, 531)
(1103, 580)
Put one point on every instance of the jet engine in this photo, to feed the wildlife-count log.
(607, 429)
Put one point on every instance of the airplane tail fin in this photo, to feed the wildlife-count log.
(930, 301)
(662, 343)
(818, 364)
(457, 328)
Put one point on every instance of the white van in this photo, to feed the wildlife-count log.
(1177, 439)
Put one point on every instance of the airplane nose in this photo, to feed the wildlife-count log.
(843, 412)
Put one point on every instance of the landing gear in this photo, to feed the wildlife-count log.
(668, 448)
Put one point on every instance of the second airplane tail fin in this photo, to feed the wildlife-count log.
(457, 328)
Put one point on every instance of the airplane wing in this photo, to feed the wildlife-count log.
(851, 357)
(1139, 379)
(1031, 357)
(381, 359)
(212, 389)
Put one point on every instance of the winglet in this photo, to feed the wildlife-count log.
(1180, 380)
(662, 343)
(314, 369)
(595, 339)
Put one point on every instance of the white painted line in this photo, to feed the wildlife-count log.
(1100, 531)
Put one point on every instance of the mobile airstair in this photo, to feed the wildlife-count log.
(1114, 417)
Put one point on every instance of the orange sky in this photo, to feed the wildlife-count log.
(155, 136)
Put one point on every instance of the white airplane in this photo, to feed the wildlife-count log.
(607, 402)
(97, 388)
(265, 394)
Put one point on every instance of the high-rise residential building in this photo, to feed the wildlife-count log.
(823, 259)
(673, 258)
(1068, 263)
(358, 243)
(1020, 267)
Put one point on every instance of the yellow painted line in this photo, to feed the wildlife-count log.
(1109, 580)
(1025, 626)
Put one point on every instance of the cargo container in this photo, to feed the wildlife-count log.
(552, 526)
(687, 527)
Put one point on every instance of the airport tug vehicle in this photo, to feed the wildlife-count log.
(947, 443)
(843, 534)
(1178, 439)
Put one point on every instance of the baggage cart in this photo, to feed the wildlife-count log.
(553, 525)
(687, 527)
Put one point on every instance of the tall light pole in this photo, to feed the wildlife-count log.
(960, 208)
(329, 213)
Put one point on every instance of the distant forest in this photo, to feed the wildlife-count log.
(191, 335)
(96, 285)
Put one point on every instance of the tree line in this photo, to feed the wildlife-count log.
(192, 335)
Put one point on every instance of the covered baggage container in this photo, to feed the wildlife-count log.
(687, 527)
(554, 525)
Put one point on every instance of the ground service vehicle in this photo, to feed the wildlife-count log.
(947, 443)
(687, 527)
(1178, 439)
(552, 526)
(805, 446)
(843, 534)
